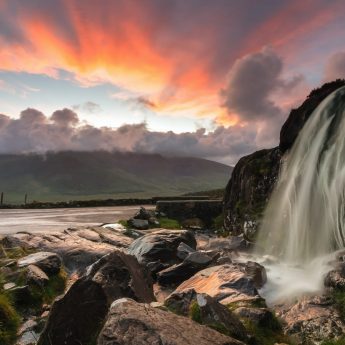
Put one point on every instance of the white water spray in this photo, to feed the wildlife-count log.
(304, 222)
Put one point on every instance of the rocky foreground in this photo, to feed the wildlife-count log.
(113, 286)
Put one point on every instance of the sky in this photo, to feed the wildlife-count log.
(207, 78)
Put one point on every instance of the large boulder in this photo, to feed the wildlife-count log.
(158, 249)
(131, 323)
(77, 317)
(227, 283)
(207, 311)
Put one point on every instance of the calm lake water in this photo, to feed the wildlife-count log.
(60, 219)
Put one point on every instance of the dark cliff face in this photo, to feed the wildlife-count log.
(298, 117)
(248, 190)
(254, 176)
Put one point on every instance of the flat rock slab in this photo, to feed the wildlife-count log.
(226, 283)
(78, 247)
(48, 262)
(132, 323)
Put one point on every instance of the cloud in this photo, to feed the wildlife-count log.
(153, 47)
(335, 67)
(253, 82)
(34, 132)
(88, 107)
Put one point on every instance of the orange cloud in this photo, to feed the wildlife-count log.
(177, 60)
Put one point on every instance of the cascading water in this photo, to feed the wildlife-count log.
(304, 223)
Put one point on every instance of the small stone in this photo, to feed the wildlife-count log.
(35, 275)
(28, 325)
(140, 224)
(183, 250)
(9, 286)
(48, 262)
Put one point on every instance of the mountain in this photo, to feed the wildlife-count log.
(63, 176)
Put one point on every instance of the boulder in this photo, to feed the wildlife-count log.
(260, 317)
(77, 317)
(48, 262)
(35, 275)
(257, 273)
(131, 323)
(160, 247)
(183, 250)
(140, 224)
(311, 320)
(336, 277)
(145, 214)
(207, 311)
(226, 283)
(176, 274)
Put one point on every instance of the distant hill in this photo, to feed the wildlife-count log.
(68, 175)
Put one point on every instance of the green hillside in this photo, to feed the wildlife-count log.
(67, 176)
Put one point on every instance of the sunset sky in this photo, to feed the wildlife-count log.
(206, 78)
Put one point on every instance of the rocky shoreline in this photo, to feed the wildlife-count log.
(155, 286)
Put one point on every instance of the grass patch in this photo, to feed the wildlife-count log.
(338, 297)
(339, 341)
(164, 222)
(267, 335)
(195, 312)
(168, 223)
(46, 294)
(123, 223)
(16, 253)
(257, 303)
(9, 320)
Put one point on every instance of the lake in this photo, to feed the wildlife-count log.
(59, 219)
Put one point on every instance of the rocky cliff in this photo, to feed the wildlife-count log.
(254, 176)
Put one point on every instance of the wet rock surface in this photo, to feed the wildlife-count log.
(131, 323)
(226, 283)
(312, 320)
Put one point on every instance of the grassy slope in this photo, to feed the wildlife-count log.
(89, 175)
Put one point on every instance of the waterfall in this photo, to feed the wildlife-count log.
(305, 216)
(304, 222)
